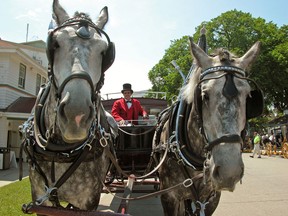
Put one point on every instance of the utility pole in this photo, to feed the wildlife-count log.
(27, 30)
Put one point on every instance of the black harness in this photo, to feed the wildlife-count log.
(183, 109)
(41, 144)
(178, 115)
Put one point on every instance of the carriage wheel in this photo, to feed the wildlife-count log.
(284, 150)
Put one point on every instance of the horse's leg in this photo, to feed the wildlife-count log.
(172, 206)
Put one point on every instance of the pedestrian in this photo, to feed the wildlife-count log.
(126, 110)
(272, 138)
(256, 141)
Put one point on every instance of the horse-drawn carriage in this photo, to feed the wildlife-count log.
(134, 144)
(133, 151)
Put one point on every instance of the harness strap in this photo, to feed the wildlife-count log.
(233, 138)
(189, 182)
(193, 189)
(120, 171)
(73, 167)
(33, 162)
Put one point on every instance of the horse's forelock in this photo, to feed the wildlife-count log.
(81, 14)
(223, 54)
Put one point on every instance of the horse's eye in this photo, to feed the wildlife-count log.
(56, 45)
(205, 96)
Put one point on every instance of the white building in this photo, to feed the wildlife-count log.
(23, 68)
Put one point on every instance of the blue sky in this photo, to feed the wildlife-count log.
(141, 30)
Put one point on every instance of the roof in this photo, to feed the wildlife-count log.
(7, 44)
(283, 120)
(22, 105)
(38, 43)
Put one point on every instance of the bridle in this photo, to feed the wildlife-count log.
(83, 32)
(44, 137)
(227, 70)
(184, 150)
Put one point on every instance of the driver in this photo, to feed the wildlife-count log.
(126, 109)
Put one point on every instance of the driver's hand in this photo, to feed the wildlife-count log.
(121, 122)
(145, 116)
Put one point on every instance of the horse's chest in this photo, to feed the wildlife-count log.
(82, 186)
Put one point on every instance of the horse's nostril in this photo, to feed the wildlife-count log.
(62, 105)
(61, 109)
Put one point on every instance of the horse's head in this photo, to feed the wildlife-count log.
(223, 100)
(78, 57)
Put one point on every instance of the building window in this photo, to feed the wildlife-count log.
(44, 80)
(38, 83)
(22, 75)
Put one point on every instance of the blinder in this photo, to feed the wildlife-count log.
(254, 104)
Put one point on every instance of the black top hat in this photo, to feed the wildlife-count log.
(127, 87)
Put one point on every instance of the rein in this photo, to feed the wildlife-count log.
(136, 134)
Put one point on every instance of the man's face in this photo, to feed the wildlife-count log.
(127, 95)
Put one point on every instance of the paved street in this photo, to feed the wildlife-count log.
(264, 191)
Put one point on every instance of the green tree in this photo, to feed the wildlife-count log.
(237, 31)
(164, 76)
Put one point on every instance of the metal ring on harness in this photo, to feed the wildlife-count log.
(188, 183)
(103, 142)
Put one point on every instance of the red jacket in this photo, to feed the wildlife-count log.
(120, 110)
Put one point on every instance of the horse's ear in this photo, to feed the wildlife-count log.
(250, 56)
(202, 59)
(102, 18)
(59, 12)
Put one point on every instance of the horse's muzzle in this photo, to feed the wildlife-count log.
(226, 166)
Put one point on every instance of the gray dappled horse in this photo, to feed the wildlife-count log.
(203, 132)
(66, 138)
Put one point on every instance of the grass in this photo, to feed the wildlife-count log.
(13, 196)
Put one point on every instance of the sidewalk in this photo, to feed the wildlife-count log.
(10, 175)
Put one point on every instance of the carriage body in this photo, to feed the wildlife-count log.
(134, 144)
(133, 151)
